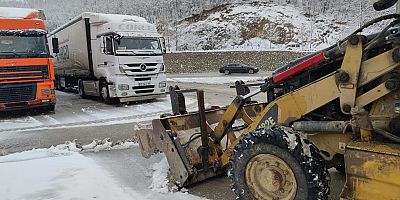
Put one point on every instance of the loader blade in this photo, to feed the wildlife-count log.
(372, 171)
(146, 142)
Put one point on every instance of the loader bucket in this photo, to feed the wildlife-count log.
(168, 137)
(186, 138)
(372, 171)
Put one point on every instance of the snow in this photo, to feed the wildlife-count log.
(66, 176)
(59, 150)
(160, 177)
(291, 139)
(216, 80)
(15, 12)
(107, 144)
(62, 173)
(21, 122)
(84, 113)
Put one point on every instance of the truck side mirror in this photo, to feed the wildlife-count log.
(54, 42)
(164, 49)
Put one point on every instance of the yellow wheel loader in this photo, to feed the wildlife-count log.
(339, 107)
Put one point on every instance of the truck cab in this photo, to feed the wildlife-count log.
(26, 68)
(123, 59)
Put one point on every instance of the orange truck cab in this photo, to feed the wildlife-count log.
(26, 67)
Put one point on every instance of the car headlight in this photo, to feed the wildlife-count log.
(48, 92)
(163, 84)
(123, 87)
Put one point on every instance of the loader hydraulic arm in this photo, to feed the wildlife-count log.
(237, 104)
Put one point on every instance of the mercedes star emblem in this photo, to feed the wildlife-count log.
(143, 67)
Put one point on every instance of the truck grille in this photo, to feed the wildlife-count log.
(143, 89)
(141, 69)
(16, 73)
(17, 92)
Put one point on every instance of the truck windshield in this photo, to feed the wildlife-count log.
(14, 46)
(138, 45)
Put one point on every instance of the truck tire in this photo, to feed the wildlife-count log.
(57, 83)
(81, 89)
(227, 72)
(105, 93)
(51, 108)
(251, 71)
(277, 163)
(341, 169)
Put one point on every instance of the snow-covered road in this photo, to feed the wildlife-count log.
(71, 110)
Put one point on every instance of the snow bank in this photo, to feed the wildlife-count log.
(107, 144)
(60, 150)
(57, 173)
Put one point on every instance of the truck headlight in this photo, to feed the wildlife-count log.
(162, 69)
(163, 84)
(123, 87)
(47, 92)
(121, 69)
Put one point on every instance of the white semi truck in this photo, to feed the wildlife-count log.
(111, 56)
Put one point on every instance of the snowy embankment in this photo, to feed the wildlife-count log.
(216, 80)
(258, 25)
(61, 172)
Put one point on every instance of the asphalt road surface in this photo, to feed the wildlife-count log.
(87, 119)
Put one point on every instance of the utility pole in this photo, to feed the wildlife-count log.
(176, 37)
(176, 25)
(361, 15)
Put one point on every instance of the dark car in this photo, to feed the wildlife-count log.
(238, 68)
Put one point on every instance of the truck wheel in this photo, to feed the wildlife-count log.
(341, 169)
(51, 108)
(251, 71)
(81, 89)
(104, 93)
(227, 72)
(277, 163)
(58, 84)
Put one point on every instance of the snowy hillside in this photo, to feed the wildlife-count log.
(226, 24)
(262, 25)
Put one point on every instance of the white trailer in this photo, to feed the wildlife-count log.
(111, 56)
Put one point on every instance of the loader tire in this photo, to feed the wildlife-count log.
(277, 164)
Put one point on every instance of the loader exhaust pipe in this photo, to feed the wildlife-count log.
(321, 126)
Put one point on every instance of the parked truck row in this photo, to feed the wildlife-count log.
(114, 57)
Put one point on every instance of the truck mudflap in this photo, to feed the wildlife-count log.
(372, 171)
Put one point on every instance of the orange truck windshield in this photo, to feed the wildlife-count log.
(23, 46)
